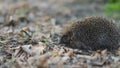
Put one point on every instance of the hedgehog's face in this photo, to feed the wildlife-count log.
(66, 38)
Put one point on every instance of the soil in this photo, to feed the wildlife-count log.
(30, 32)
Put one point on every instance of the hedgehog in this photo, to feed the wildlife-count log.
(91, 33)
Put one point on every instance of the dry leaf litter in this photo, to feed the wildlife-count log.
(29, 39)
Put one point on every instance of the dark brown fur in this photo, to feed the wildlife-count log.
(91, 33)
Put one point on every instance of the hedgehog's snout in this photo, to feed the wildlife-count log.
(63, 40)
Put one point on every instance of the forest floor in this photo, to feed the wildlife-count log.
(30, 32)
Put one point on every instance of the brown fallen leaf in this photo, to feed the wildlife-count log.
(70, 53)
(104, 52)
(27, 49)
(39, 61)
(38, 50)
(26, 28)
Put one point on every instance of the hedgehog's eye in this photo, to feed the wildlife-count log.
(64, 39)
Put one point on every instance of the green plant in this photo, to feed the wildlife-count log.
(113, 8)
(114, 1)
